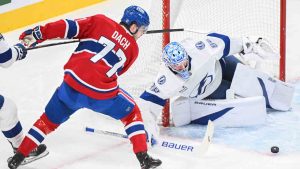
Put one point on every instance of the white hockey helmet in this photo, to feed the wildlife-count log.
(176, 58)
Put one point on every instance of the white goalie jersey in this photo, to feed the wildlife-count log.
(204, 68)
(205, 77)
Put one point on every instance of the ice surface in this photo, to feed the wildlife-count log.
(31, 82)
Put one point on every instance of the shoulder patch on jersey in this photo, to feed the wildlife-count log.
(200, 45)
(213, 45)
(161, 80)
(154, 88)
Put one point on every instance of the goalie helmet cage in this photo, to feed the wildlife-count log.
(265, 18)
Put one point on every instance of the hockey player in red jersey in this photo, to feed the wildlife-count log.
(106, 50)
(10, 124)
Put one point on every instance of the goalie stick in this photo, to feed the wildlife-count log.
(169, 144)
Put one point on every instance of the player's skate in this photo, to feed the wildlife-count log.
(146, 161)
(19, 159)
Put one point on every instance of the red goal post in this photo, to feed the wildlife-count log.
(266, 18)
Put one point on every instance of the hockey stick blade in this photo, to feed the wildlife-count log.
(207, 137)
(171, 143)
(192, 147)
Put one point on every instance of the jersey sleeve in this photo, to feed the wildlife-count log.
(164, 86)
(151, 101)
(8, 54)
(223, 45)
(154, 95)
(68, 29)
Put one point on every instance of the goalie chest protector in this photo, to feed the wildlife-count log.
(206, 75)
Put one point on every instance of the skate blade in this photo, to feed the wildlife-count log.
(31, 159)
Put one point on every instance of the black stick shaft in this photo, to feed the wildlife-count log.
(53, 44)
(164, 30)
(77, 40)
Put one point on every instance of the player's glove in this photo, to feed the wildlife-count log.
(22, 51)
(1, 37)
(31, 37)
(151, 139)
(259, 46)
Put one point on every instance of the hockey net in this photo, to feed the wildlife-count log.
(238, 18)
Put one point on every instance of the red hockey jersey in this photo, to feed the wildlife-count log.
(106, 50)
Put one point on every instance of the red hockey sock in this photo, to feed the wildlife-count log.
(139, 143)
(37, 134)
(27, 146)
(134, 128)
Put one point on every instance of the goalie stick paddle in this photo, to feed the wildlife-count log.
(169, 143)
(148, 32)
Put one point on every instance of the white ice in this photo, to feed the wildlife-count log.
(30, 83)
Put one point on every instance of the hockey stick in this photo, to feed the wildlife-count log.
(148, 32)
(167, 144)
(164, 30)
(177, 30)
(53, 44)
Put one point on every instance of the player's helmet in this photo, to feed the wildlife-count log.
(137, 15)
(174, 55)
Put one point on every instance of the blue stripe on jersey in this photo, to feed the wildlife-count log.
(91, 46)
(96, 47)
(226, 40)
(14, 131)
(1, 101)
(36, 135)
(204, 120)
(134, 128)
(72, 29)
(153, 98)
(6, 56)
(111, 58)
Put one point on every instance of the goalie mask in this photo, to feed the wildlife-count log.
(176, 58)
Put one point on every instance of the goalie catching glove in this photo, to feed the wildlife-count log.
(260, 47)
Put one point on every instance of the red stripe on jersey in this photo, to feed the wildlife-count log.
(129, 98)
